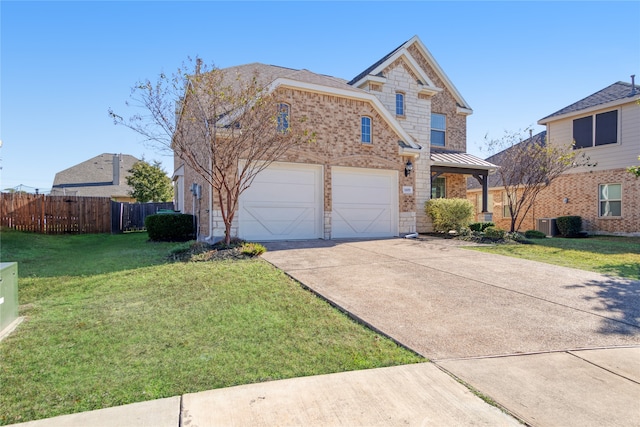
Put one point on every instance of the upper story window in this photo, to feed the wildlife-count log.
(438, 129)
(610, 198)
(399, 104)
(605, 131)
(365, 130)
(283, 117)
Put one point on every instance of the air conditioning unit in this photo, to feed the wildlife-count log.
(547, 226)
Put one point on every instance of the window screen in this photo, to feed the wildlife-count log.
(583, 132)
(607, 128)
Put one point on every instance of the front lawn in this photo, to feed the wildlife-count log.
(109, 321)
(618, 256)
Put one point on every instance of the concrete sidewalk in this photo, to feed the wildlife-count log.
(413, 395)
(554, 346)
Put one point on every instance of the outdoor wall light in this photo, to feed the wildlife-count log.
(565, 200)
(408, 168)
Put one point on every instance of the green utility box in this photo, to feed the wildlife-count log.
(8, 294)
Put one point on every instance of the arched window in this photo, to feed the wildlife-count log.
(283, 117)
(365, 130)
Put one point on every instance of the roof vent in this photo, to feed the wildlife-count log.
(633, 85)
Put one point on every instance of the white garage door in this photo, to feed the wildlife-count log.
(284, 202)
(365, 203)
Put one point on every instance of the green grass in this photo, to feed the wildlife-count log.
(612, 255)
(110, 322)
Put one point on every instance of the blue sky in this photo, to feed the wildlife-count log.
(64, 64)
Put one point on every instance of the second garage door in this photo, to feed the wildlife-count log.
(364, 203)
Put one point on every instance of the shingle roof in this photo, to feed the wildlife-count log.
(374, 66)
(268, 73)
(94, 177)
(495, 180)
(614, 92)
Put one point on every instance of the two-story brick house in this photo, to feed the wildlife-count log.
(380, 140)
(605, 127)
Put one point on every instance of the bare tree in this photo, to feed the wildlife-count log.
(529, 166)
(226, 126)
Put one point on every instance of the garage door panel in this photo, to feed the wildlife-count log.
(284, 202)
(364, 203)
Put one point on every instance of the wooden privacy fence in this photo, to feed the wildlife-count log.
(73, 214)
(130, 216)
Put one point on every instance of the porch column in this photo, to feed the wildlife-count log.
(482, 179)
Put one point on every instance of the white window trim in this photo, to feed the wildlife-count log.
(370, 130)
(610, 200)
(444, 131)
(404, 104)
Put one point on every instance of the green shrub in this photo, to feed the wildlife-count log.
(569, 226)
(480, 226)
(534, 234)
(493, 233)
(252, 249)
(170, 228)
(449, 214)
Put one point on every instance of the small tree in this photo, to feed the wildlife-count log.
(149, 182)
(635, 170)
(226, 126)
(527, 167)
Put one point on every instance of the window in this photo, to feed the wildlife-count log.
(479, 203)
(283, 117)
(605, 130)
(438, 188)
(438, 129)
(506, 212)
(610, 197)
(365, 130)
(399, 104)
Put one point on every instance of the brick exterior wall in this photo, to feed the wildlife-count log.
(336, 122)
(581, 190)
(444, 103)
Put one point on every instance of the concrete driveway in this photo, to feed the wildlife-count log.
(552, 345)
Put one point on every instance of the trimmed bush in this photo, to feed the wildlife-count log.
(569, 226)
(170, 227)
(480, 226)
(493, 233)
(449, 214)
(534, 234)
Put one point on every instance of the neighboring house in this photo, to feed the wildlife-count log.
(604, 126)
(101, 176)
(352, 181)
(497, 205)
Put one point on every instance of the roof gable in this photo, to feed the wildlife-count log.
(404, 51)
(619, 92)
